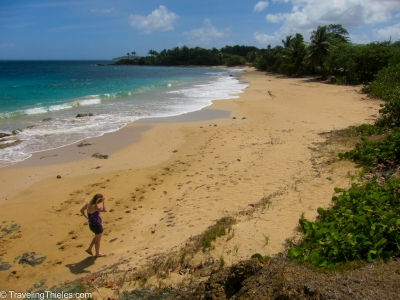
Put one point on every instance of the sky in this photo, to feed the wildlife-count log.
(103, 29)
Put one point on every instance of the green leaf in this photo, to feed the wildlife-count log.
(372, 255)
(295, 252)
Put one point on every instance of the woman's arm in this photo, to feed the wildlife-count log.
(104, 208)
(83, 210)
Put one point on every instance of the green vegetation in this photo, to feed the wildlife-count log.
(217, 230)
(362, 224)
(185, 56)
(329, 54)
(385, 152)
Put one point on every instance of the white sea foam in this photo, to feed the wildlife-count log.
(60, 107)
(146, 102)
(222, 88)
(86, 102)
(37, 110)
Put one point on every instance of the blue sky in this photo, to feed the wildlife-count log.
(100, 29)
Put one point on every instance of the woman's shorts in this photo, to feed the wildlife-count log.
(96, 229)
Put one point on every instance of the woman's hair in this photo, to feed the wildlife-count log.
(95, 199)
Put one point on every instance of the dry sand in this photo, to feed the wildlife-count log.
(175, 177)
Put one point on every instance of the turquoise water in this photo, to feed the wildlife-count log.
(39, 100)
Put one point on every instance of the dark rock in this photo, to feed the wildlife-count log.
(4, 266)
(32, 259)
(175, 151)
(9, 229)
(227, 282)
(83, 144)
(47, 119)
(12, 144)
(2, 134)
(16, 131)
(58, 176)
(101, 156)
(84, 115)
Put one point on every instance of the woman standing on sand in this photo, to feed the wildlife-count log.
(95, 222)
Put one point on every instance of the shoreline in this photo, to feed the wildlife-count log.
(65, 128)
(177, 178)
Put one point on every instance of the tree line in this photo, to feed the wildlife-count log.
(329, 53)
(197, 56)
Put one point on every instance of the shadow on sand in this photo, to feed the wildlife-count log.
(79, 268)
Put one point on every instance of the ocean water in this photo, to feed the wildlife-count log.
(39, 100)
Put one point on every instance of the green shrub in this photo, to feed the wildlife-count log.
(370, 154)
(386, 85)
(235, 60)
(361, 130)
(390, 113)
(363, 223)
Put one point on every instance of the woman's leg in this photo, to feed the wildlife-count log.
(89, 250)
(97, 239)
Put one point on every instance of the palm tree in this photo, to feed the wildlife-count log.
(133, 53)
(286, 43)
(153, 52)
(319, 48)
(128, 55)
(338, 34)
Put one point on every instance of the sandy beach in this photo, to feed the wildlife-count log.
(168, 179)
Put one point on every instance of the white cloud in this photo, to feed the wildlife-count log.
(265, 39)
(204, 35)
(387, 32)
(260, 6)
(103, 11)
(160, 19)
(307, 15)
(275, 18)
(359, 39)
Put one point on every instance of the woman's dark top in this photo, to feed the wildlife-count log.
(94, 218)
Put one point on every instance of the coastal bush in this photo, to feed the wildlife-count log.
(235, 60)
(390, 113)
(367, 61)
(385, 152)
(386, 85)
(361, 130)
(363, 223)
